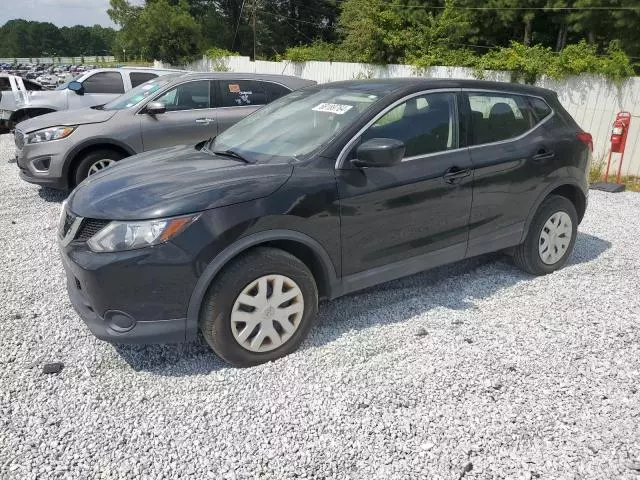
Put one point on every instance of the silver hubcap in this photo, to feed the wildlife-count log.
(555, 238)
(100, 165)
(267, 313)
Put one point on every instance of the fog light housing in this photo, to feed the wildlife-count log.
(119, 321)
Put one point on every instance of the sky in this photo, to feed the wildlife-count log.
(59, 12)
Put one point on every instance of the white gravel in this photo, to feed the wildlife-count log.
(473, 370)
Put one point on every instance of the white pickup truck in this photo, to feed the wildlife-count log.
(21, 99)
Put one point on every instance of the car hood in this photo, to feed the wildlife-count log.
(173, 181)
(81, 116)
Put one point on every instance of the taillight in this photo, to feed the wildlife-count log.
(587, 139)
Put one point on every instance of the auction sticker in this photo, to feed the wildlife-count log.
(336, 108)
(234, 88)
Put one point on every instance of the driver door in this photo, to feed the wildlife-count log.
(189, 118)
(415, 214)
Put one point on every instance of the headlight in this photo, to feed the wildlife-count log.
(48, 134)
(119, 236)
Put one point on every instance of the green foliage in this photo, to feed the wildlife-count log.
(20, 38)
(529, 63)
(218, 56)
(318, 50)
(158, 31)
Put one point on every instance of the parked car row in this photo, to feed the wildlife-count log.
(238, 218)
(98, 87)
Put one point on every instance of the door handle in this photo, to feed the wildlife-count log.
(543, 155)
(455, 174)
(204, 120)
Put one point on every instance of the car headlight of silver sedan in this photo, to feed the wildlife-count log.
(119, 236)
(48, 134)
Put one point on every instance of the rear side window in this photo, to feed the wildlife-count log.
(274, 90)
(104, 82)
(138, 78)
(496, 117)
(240, 93)
(540, 108)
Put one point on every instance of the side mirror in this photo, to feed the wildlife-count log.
(155, 108)
(379, 152)
(76, 87)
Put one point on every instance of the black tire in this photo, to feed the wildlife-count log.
(215, 313)
(81, 170)
(526, 255)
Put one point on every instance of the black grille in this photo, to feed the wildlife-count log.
(18, 137)
(89, 227)
(68, 221)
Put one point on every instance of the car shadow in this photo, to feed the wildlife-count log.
(453, 286)
(51, 195)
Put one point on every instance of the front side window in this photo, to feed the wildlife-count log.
(141, 92)
(187, 96)
(496, 117)
(425, 124)
(241, 93)
(104, 82)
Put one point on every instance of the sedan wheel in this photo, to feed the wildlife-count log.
(267, 313)
(555, 238)
(100, 165)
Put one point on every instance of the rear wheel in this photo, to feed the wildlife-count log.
(94, 162)
(550, 239)
(260, 308)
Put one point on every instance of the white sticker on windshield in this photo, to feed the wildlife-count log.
(147, 87)
(336, 108)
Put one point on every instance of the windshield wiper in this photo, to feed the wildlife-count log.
(232, 154)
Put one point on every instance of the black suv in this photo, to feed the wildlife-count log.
(328, 190)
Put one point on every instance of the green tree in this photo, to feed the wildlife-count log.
(161, 30)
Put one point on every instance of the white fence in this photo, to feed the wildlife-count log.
(73, 60)
(592, 101)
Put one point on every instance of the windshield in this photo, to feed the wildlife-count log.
(298, 123)
(138, 94)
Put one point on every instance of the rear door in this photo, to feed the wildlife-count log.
(237, 99)
(189, 118)
(99, 88)
(513, 157)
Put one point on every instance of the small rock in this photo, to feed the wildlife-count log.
(13, 222)
(17, 316)
(421, 332)
(496, 386)
(55, 367)
(467, 468)
(634, 466)
(457, 322)
(468, 340)
(592, 448)
(512, 368)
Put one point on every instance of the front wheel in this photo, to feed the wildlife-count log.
(95, 162)
(260, 308)
(551, 237)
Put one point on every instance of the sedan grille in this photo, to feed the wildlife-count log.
(89, 227)
(18, 137)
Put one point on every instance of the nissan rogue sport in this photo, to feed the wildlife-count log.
(328, 190)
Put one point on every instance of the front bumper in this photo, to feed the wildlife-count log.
(43, 163)
(139, 296)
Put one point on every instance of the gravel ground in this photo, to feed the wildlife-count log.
(474, 370)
